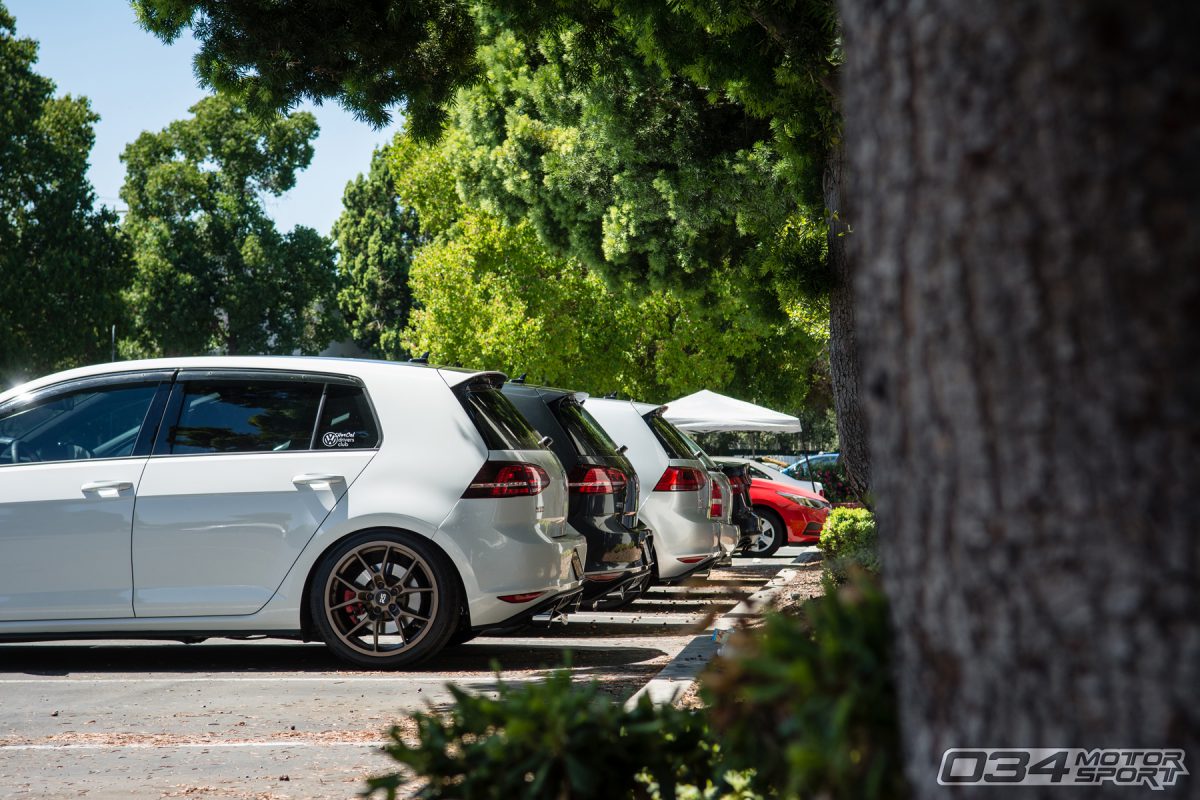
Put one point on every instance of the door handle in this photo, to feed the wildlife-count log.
(311, 478)
(99, 486)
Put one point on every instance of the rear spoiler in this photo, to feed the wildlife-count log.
(456, 378)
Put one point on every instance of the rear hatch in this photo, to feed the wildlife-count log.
(605, 480)
(518, 463)
(685, 471)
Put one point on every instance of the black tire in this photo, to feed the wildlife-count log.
(772, 533)
(385, 599)
(461, 636)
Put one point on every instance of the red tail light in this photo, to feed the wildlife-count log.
(505, 479)
(596, 480)
(681, 479)
(716, 508)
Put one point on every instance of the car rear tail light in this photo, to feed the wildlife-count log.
(681, 479)
(596, 480)
(507, 479)
(716, 508)
(691, 559)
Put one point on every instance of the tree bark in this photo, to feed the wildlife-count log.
(843, 341)
(1026, 182)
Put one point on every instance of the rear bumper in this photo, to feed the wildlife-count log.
(682, 529)
(559, 604)
(690, 570)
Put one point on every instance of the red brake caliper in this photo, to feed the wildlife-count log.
(354, 611)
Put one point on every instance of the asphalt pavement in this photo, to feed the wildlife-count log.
(273, 719)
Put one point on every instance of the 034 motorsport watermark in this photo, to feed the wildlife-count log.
(1047, 766)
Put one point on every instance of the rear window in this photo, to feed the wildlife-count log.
(497, 420)
(670, 438)
(586, 434)
(697, 450)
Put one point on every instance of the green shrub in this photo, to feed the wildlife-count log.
(806, 708)
(553, 739)
(810, 705)
(847, 541)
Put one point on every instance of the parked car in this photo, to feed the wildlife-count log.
(603, 490)
(787, 514)
(769, 472)
(743, 511)
(807, 465)
(675, 491)
(737, 524)
(381, 508)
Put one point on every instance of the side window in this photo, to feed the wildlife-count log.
(346, 420)
(97, 422)
(235, 416)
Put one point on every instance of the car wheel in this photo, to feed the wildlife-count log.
(771, 532)
(385, 599)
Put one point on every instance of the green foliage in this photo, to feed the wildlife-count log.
(810, 704)
(775, 60)
(848, 541)
(646, 177)
(805, 708)
(551, 739)
(491, 295)
(213, 273)
(376, 237)
(63, 263)
(370, 56)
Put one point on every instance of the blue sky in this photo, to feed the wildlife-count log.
(135, 83)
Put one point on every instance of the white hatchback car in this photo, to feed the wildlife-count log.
(676, 491)
(386, 509)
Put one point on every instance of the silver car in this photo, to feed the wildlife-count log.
(676, 488)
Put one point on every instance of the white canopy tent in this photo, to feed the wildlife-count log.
(705, 412)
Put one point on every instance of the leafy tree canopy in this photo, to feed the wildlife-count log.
(491, 295)
(376, 237)
(369, 54)
(63, 262)
(644, 176)
(212, 272)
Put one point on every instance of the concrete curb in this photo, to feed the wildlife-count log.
(674, 680)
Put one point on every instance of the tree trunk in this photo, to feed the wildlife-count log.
(843, 343)
(1026, 184)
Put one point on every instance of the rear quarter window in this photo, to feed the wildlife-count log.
(346, 420)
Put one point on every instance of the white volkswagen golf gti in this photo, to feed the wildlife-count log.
(385, 509)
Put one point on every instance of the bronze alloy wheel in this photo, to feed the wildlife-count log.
(383, 600)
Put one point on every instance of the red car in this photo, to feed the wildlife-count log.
(786, 513)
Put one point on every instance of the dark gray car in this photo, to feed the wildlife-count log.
(603, 491)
